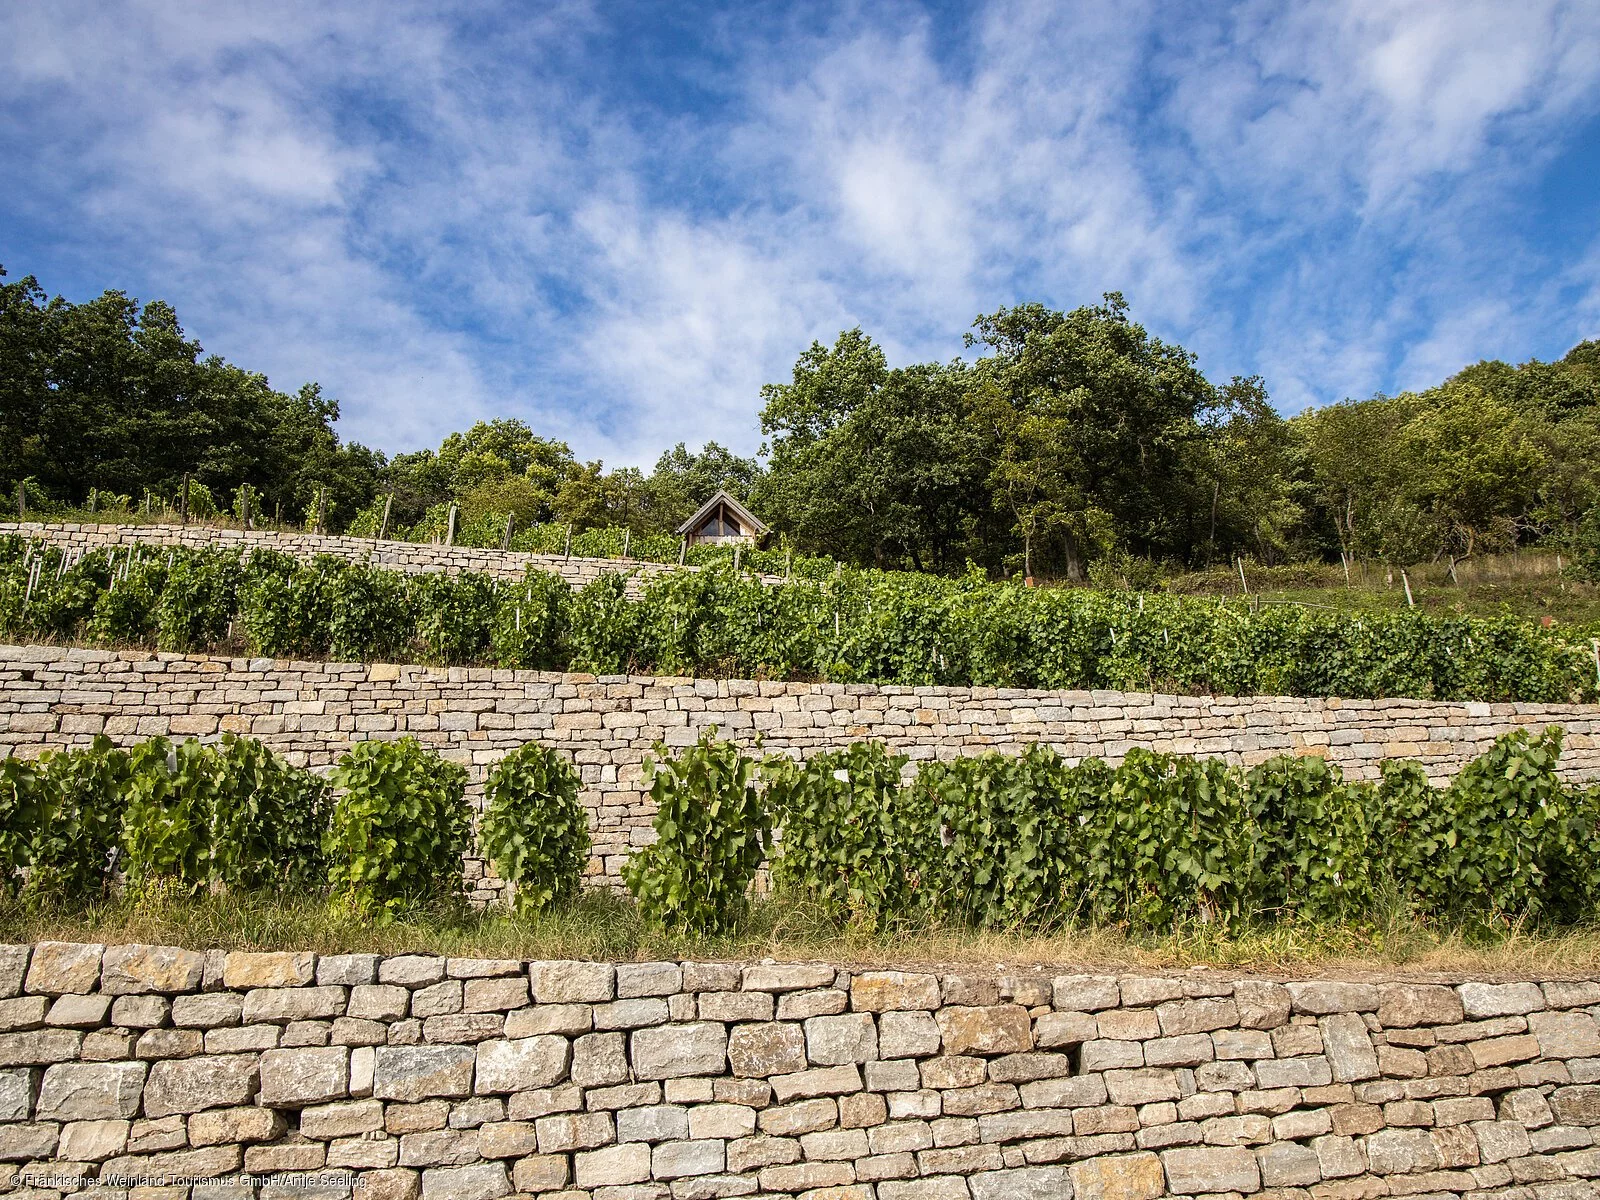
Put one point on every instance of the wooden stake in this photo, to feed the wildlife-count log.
(322, 510)
(1404, 579)
(22, 500)
(567, 551)
(627, 540)
(1242, 582)
(683, 551)
(505, 542)
(450, 527)
(383, 526)
(183, 501)
(1345, 559)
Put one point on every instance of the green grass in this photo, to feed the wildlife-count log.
(606, 926)
(1528, 584)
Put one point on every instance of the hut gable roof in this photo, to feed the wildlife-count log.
(747, 518)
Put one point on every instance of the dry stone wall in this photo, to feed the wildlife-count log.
(134, 1068)
(414, 558)
(313, 712)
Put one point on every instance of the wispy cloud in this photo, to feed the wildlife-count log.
(619, 228)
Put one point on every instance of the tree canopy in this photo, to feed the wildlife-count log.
(1070, 444)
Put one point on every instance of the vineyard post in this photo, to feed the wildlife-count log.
(183, 501)
(627, 540)
(1406, 582)
(94, 494)
(1242, 583)
(1345, 559)
(388, 503)
(505, 542)
(1594, 648)
(683, 551)
(244, 507)
(736, 550)
(450, 527)
(567, 550)
(277, 513)
(322, 509)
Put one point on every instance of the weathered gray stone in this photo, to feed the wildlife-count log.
(907, 1034)
(678, 1160)
(679, 1051)
(1348, 1047)
(141, 1012)
(504, 1065)
(1321, 998)
(600, 1059)
(91, 1091)
(573, 982)
(1480, 1000)
(16, 1095)
(772, 1048)
(221, 1126)
(1198, 1170)
(1286, 1164)
(411, 970)
(994, 1029)
(576, 1131)
(1065, 1029)
(1084, 993)
(13, 969)
(1262, 1005)
(885, 991)
(412, 1073)
(278, 1005)
(347, 970)
(21, 1143)
(192, 1084)
(847, 1038)
(1021, 1183)
(1403, 1005)
(1402, 1152)
(480, 1181)
(1179, 1017)
(343, 1118)
(79, 1012)
(207, 1011)
(60, 967)
(307, 1075)
(1565, 1034)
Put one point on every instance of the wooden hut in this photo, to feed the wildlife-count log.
(723, 521)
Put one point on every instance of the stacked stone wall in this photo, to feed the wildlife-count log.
(413, 558)
(156, 1071)
(313, 712)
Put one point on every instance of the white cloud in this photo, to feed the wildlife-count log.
(445, 214)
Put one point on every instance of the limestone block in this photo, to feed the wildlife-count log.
(883, 991)
(679, 1051)
(304, 1076)
(996, 1029)
(412, 1073)
(56, 968)
(273, 969)
(91, 1091)
(847, 1038)
(1199, 1170)
(572, 982)
(1118, 1177)
(130, 970)
(191, 1085)
(505, 1065)
(766, 1049)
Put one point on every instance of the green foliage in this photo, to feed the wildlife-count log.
(399, 826)
(1315, 844)
(842, 821)
(603, 627)
(370, 615)
(228, 815)
(197, 601)
(531, 623)
(74, 844)
(534, 830)
(454, 615)
(22, 806)
(712, 833)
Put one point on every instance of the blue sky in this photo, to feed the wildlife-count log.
(617, 221)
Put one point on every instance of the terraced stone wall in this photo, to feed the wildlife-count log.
(414, 558)
(313, 712)
(128, 1069)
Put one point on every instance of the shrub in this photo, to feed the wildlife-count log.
(22, 802)
(73, 847)
(197, 601)
(1315, 838)
(534, 830)
(369, 615)
(399, 828)
(841, 838)
(604, 627)
(454, 615)
(712, 833)
(530, 625)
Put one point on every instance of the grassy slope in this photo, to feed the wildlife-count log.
(603, 926)
(1526, 585)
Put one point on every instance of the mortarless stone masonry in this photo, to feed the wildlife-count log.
(312, 712)
(228, 1075)
(414, 558)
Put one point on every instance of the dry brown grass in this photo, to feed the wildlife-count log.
(606, 927)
